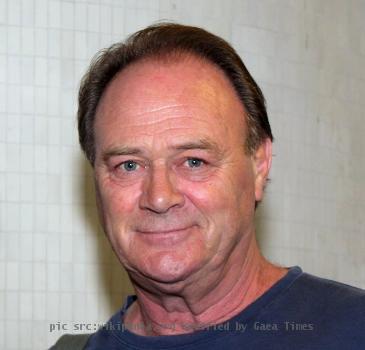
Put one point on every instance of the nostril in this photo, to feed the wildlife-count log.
(160, 193)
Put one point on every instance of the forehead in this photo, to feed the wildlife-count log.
(188, 91)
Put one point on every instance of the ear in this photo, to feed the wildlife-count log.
(262, 163)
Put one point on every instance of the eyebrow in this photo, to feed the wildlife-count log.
(121, 151)
(202, 144)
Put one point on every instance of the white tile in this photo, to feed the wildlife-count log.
(53, 189)
(79, 276)
(3, 12)
(41, 13)
(66, 302)
(67, 73)
(40, 101)
(39, 247)
(67, 131)
(53, 218)
(27, 334)
(39, 276)
(3, 40)
(93, 44)
(54, 72)
(67, 44)
(68, 103)
(53, 305)
(2, 279)
(14, 94)
(12, 305)
(53, 277)
(54, 14)
(26, 214)
(38, 329)
(2, 294)
(11, 157)
(80, 45)
(67, 15)
(13, 40)
(12, 187)
(92, 305)
(40, 188)
(78, 309)
(106, 19)
(11, 334)
(3, 101)
(27, 129)
(40, 41)
(93, 18)
(27, 70)
(65, 276)
(41, 71)
(12, 276)
(27, 13)
(26, 254)
(79, 249)
(25, 306)
(14, 12)
(40, 219)
(27, 41)
(55, 168)
(54, 131)
(254, 40)
(53, 103)
(26, 158)
(39, 306)
(11, 246)
(12, 217)
(14, 67)
(40, 159)
(80, 16)
(13, 128)
(53, 248)
(2, 187)
(66, 248)
(27, 99)
(40, 130)
(3, 69)
(54, 42)
(66, 218)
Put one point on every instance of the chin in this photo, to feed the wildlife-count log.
(167, 268)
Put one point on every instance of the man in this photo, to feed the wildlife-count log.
(178, 137)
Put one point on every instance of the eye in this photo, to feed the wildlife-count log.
(195, 162)
(129, 165)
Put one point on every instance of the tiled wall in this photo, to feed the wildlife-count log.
(55, 264)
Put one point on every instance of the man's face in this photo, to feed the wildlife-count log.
(175, 189)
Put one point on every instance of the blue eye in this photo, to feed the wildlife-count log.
(194, 162)
(129, 165)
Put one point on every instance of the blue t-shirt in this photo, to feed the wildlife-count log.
(300, 311)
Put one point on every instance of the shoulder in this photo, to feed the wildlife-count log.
(330, 300)
(71, 342)
(330, 290)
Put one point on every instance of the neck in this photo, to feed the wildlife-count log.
(204, 301)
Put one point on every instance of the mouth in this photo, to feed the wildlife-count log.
(162, 231)
(165, 237)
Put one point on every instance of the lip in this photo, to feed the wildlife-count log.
(154, 232)
(165, 238)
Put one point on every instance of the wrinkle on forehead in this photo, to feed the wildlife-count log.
(158, 98)
(196, 75)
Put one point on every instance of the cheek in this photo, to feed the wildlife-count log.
(227, 202)
(116, 203)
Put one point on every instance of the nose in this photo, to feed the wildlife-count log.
(160, 192)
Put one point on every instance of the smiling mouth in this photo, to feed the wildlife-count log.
(165, 238)
(163, 231)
